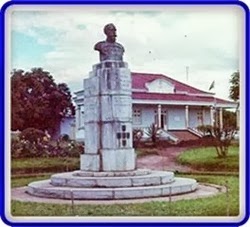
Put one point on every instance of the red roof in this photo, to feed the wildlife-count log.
(178, 97)
(139, 81)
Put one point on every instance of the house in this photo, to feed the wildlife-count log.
(175, 107)
(67, 126)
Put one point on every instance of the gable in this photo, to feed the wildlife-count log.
(140, 80)
(160, 86)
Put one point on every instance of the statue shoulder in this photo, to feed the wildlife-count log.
(120, 46)
(98, 46)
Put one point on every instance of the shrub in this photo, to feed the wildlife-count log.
(32, 135)
(153, 133)
(137, 136)
(222, 137)
(16, 147)
(21, 148)
(65, 137)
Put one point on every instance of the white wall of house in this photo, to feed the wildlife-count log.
(195, 115)
(67, 126)
(80, 116)
(80, 122)
(145, 115)
(176, 118)
(148, 114)
(80, 136)
(160, 86)
(207, 117)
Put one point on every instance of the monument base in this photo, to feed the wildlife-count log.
(81, 185)
(90, 162)
(118, 160)
(109, 160)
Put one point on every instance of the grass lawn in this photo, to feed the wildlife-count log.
(24, 181)
(206, 159)
(212, 206)
(34, 165)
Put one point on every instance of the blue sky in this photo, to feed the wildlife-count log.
(157, 40)
(26, 51)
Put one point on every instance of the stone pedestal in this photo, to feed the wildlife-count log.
(108, 119)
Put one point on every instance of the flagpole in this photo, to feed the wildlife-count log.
(215, 110)
(214, 104)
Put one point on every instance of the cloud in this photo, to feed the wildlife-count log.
(158, 40)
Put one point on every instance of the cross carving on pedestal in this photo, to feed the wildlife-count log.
(123, 136)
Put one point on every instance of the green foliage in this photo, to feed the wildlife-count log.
(32, 146)
(24, 181)
(41, 165)
(37, 101)
(137, 136)
(234, 91)
(221, 138)
(153, 133)
(65, 137)
(32, 135)
(229, 119)
(211, 206)
(205, 129)
(206, 159)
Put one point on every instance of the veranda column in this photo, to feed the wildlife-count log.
(79, 116)
(237, 118)
(159, 115)
(187, 116)
(203, 115)
(211, 116)
(221, 118)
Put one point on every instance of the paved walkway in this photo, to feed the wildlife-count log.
(165, 160)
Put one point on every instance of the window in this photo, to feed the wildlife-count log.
(80, 117)
(200, 117)
(163, 116)
(137, 117)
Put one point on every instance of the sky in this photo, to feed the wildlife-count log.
(163, 40)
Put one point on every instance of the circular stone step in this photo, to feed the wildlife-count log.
(137, 172)
(45, 189)
(153, 178)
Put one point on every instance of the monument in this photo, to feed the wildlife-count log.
(108, 110)
(108, 165)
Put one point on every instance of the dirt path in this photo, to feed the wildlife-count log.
(166, 160)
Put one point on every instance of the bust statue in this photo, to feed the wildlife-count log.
(109, 49)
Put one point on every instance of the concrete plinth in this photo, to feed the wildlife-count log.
(108, 118)
(118, 160)
(90, 162)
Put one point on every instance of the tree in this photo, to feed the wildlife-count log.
(37, 101)
(229, 119)
(221, 138)
(234, 87)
